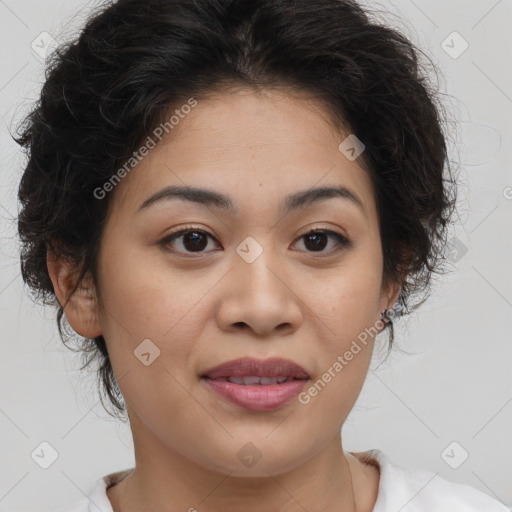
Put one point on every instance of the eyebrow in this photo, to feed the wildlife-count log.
(291, 203)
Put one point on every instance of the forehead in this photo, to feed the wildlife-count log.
(254, 148)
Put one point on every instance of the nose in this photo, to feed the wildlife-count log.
(261, 296)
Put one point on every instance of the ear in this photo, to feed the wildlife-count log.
(82, 309)
(390, 290)
(389, 296)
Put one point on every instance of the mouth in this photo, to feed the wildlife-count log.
(247, 370)
(257, 385)
(254, 380)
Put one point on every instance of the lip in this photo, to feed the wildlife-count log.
(257, 397)
(247, 366)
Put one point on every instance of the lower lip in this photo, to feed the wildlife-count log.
(259, 397)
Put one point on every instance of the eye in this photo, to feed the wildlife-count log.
(316, 240)
(193, 240)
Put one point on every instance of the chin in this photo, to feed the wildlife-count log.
(258, 458)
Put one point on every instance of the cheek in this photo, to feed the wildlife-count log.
(144, 301)
(156, 312)
(346, 299)
(346, 316)
(148, 297)
(346, 309)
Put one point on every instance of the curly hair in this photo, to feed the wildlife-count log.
(134, 60)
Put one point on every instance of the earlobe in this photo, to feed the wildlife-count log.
(82, 308)
(389, 298)
(395, 294)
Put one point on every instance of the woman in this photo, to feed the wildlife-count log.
(257, 128)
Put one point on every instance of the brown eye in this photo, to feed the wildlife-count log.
(317, 240)
(192, 240)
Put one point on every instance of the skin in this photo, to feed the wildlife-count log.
(202, 309)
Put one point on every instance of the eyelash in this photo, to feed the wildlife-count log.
(342, 241)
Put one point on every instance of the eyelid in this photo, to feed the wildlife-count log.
(328, 228)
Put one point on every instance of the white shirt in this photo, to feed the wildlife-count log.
(400, 490)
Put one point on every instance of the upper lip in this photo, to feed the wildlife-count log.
(246, 366)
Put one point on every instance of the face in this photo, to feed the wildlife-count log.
(243, 282)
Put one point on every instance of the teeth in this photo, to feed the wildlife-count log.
(236, 380)
(250, 381)
(254, 380)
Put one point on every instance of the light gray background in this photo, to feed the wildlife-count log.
(455, 386)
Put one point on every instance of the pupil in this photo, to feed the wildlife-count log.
(193, 238)
(316, 237)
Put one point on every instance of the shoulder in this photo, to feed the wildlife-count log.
(97, 498)
(79, 506)
(419, 490)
